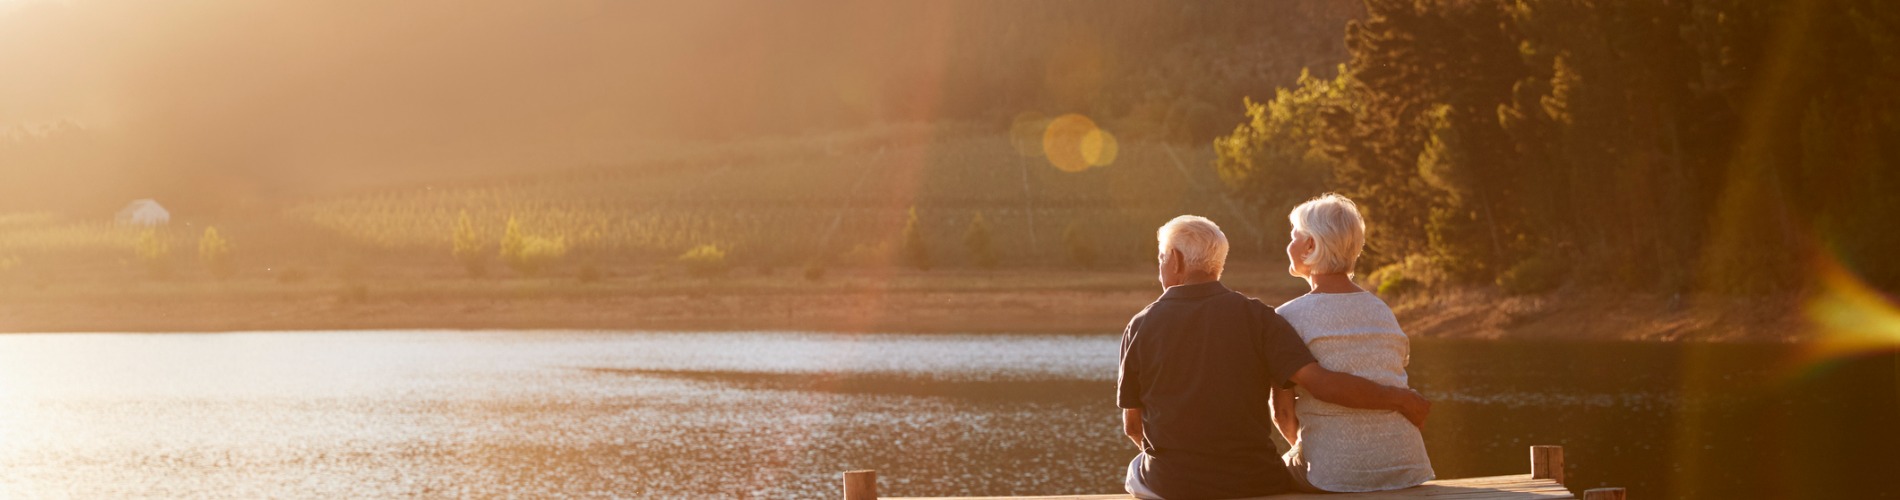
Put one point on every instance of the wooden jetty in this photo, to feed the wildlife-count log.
(1546, 481)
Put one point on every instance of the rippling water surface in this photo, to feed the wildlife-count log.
(779, 415)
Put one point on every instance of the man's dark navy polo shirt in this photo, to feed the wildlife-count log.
(1200, 363)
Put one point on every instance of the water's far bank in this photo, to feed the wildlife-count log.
(869, 300)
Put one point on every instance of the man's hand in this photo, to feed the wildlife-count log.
(1350, 391)
(1131, 426)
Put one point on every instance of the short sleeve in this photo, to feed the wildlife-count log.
(1128, 377)
(1281, 346)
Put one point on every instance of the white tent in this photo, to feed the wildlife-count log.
(146, 212)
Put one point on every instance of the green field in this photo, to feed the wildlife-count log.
(838, 200)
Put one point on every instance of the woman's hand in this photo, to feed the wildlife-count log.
(1415, 408)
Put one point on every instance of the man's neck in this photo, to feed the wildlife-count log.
(1198, 279)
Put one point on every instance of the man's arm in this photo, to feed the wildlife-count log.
(1283, 416)
(1351, 391)
(1131, 425)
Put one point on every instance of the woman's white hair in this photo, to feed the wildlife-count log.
(1201, 244)
(1338, 233)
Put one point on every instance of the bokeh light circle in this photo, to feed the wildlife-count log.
(1099, 148)
(1072, 143)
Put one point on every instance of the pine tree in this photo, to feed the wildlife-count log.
(916, 251)
(977, 240)
(469, 249)
(215, 253)
(154, 252)
(1081, 247)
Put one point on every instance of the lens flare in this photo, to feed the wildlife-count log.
(1850, 316)
(1073, 143)
(1099, 148)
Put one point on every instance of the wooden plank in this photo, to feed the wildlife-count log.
(860, 485)
(1547, 462)
(1115, 496)
(1512, 487)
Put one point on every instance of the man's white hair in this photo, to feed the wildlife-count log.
(1201, 244)
(1338, 233)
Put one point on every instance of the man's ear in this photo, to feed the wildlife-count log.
(1174, 260)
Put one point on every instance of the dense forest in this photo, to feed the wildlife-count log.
(1733, 146)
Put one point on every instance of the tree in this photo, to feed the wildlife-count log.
(527, 254)
(977, 240)
(215, 253)
(704, 261)
(1273, 161)
(1721, 143)
(1081, 246)
(154, 252)
(916, 252)
(1410, 58)
(469, 249)
(1464, 244)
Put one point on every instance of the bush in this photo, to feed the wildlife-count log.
(7, 264)
(215, 253)
(1532, 275)
(916, 251)
(154, 252)
(353, 293)
(704, 261)
(1406, 276)
(529, 255)
(1081, 246)
(468, 247)
(977, 240)
(1398, 286)
(588, 274)
(292, 275)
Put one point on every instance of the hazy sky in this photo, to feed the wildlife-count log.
(303, 86)
(261, 95)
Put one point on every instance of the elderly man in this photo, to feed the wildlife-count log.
(1197, 369)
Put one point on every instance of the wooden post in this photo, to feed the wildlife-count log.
(860, 485)
(1603, 494)
(1547, 462)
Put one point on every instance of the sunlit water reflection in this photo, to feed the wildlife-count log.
(778, 415)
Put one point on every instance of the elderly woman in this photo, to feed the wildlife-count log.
(1349, 330)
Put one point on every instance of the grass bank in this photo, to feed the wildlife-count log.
(845, 300)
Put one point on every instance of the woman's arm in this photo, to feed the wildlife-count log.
(1347, 390)
(1283, 416)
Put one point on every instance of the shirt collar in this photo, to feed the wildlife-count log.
(1194, 291)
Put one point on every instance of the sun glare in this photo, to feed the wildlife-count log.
(1850, 316)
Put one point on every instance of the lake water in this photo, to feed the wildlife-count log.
(779, 415)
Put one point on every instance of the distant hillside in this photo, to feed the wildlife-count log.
(217, 105)
(843, 200)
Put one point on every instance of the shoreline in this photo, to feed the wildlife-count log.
(858, 301)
